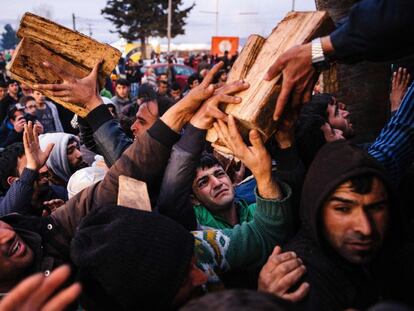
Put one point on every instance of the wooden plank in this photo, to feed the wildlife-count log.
(133, 193)
(77, 47)
(257, 107)
(27, 69)
(246, 58)
(71, 50)
(239, 71)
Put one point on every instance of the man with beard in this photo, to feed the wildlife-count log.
(65, 159)
(24, 180)
(352, 241)
(332, 111)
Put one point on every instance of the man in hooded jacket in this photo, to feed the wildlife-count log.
(351, 242)
(66, 157)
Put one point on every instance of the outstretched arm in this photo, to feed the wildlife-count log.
(394, 147)
(144, 160)
(377, 30)
(18, 197)
(249, 244)
(174, 198)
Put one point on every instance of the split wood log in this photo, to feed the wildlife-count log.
(258, 102)
(133, 193)
(44, 40)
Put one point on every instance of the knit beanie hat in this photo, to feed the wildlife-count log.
(84, 178)
(130, 259)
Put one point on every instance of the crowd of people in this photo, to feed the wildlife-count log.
(305, 221)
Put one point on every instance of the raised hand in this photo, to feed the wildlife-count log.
(39, 293)
(299, 77)
(280, 273)
(255, 157)
(179, 114)
(399, 86)
(209, 110)
(205, 89)
(39, 127)
(82, 92)
(36, 158)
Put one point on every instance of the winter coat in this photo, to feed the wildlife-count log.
(50, 237)
(336, 284)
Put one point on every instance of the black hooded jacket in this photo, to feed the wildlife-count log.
(336, 284)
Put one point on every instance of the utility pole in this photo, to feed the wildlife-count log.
(217, 16)
(74, 21)
(169, 25)
(293, 5)
(90, 29)
(216, 12)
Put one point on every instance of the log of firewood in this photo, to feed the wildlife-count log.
(44, 40)
(246, 59)
(258, 102)
(133, 193)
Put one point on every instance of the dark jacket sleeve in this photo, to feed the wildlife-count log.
(174, 198)
(13, 137)
(377, 30)
(111, 141)
(18, 197)
(144, 160)
(86, 136)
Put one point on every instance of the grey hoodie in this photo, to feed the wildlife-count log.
(58, 159)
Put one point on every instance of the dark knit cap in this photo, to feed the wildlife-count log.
(130, 259)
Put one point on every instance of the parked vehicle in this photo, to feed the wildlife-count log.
(182, 72)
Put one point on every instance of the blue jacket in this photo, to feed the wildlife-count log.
(376, 30)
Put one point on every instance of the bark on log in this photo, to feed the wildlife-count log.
(44, 40)
(258, 102)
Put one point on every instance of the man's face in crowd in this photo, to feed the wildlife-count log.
(146, 116)
(163, 77)
(13, 89)
(194, 84)
(175, 94)
(75, 158)
(3, 92)
(15, 255)
(30, 107)
(355, 224)
(223, 77)
(39, 97)
(213, 188)
(18, 115)
(338, 117)
(162, 88)
(331, 134)
(41, 185)
(122, 91)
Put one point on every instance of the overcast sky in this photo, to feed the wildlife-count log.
(236, 17)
